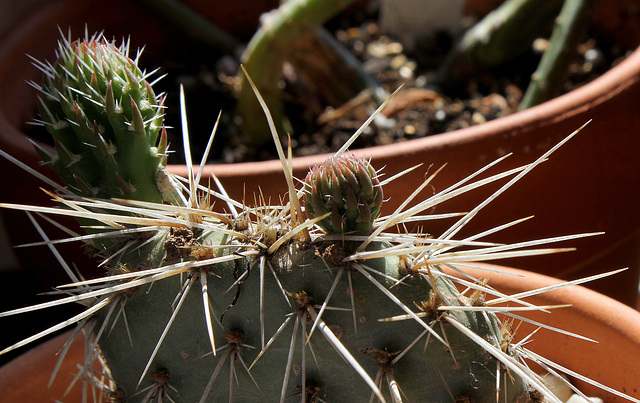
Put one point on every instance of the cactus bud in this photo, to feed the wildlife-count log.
(348, 188)
(103, 95)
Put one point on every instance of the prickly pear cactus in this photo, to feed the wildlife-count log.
(303, 321)
(312, 300)
(105, 119)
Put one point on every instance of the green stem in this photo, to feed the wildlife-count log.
(265, 55)
(547, 80)
(501, 35)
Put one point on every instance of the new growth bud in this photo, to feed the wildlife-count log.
(347, 187)
(111, 111)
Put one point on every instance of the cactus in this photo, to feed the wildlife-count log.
(277, 303)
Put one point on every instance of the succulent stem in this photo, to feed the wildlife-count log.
(348, 189)
(547, 80)
(506, 32)
(264, 57)
(105, 120)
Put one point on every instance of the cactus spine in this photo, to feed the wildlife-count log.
(263, 303)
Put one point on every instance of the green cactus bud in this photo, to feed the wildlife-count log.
(105, 119)
(347, 187)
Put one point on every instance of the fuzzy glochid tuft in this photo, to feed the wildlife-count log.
(346, 187)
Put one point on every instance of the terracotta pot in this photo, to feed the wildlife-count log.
(612, 362)
(589, 185)
(26, 377)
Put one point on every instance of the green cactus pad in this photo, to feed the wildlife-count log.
(280, 363)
